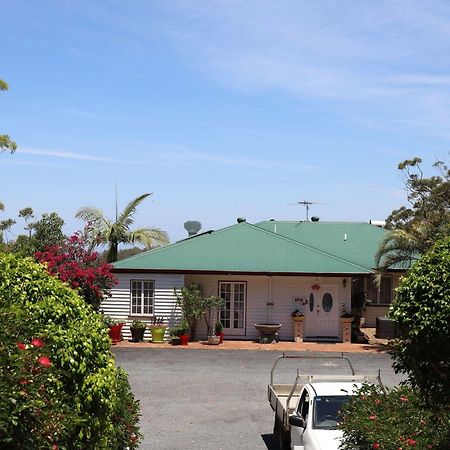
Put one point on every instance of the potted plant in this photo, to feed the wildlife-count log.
(137, 329)
(211, 309)
(183, 332)
(298, 316)
(218, 328)
(115, 328)
(190, 301)
(157, 329)
(174, 335)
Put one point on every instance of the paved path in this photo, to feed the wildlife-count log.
(204, 399)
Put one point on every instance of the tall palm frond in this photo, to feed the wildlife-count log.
(113, 233)
(398, 249)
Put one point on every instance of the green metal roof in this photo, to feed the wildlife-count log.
(268, 247)
(357, 242)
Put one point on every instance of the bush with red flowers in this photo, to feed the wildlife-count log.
(32, 413)
(59, 387)
(397, 419)
(74, 263)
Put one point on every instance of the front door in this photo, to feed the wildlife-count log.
(322, 313)
(232, 315)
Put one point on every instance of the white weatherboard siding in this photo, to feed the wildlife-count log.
(119, 304)
(281, 291)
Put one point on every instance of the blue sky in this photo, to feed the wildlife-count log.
(221, 108)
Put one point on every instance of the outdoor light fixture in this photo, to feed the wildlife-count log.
(344, 282)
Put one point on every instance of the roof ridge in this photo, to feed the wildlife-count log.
(310, 247)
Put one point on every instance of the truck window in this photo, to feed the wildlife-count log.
(326, 411)
(303, 406)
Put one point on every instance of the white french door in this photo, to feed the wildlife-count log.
(232, 315)
(322, 313)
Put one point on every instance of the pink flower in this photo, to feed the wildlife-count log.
(21, 345)
(37, 343)
(374, 417)
(44, 361)
(403, 399)
(24, 381)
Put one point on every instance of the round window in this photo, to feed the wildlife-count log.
(311, 302)
(327, 302)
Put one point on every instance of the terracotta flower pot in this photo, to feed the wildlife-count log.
(115, 333)
(221, 335)
(184, 339)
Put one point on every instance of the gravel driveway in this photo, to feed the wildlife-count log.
(211, 400)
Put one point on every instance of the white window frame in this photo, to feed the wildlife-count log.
(151, 305)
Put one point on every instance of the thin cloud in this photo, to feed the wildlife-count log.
(68, 155)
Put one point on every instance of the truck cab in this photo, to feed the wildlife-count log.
(307, 410)
(313, 425)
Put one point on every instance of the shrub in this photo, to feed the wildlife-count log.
(393, 420)
(82, 375)
(74, 263)
(27, 399)
(422, 309)
(125, 416)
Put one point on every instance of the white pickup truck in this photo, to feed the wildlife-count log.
(306, 412)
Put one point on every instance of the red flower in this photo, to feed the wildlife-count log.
(44, 361)
(24, 381)
(374, 417)
(37, 343)
(376, 445)
(411, 442)
(21, 345)
(55, 446)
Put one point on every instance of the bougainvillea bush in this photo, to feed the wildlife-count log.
(391, 420)
(76, 368)
(74, 263)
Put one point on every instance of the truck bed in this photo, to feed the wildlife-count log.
(278, 396)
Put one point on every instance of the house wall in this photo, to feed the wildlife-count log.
(118, 305)
(283, 291)
(379, 309)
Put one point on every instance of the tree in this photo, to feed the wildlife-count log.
(5, 225)
(27, 214)
(415, 229)
(422, 310)
(117, 232)
(190, 301)
(5, 141)
(48, 231)
(82, 269)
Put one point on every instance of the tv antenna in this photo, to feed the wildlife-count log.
(306, 204)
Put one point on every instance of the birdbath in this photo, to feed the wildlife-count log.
(268, 332)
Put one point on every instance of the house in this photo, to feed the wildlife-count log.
(264, 272)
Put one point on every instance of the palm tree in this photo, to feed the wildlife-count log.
(399, 248)
(113, 233)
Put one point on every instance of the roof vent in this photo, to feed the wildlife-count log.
(315, 219)
(241, 219)
(192, 227)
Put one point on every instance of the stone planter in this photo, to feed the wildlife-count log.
(213, 340)
(346, 323)
(299, 328)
